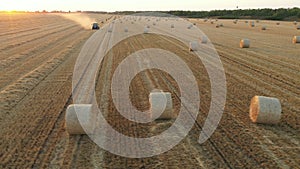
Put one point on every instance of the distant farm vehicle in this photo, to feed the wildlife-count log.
(95, 26)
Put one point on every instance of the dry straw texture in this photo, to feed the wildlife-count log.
(265, 110)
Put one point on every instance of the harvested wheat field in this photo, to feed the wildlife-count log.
(38, 54)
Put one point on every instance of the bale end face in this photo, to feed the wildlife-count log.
(265, 110)
(245, 43)
(83, 111)
(156, 99)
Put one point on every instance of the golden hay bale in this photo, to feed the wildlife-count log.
(245, 43)
(203, 39)
(172, 26)
(193, 46)
(156, 99)
(265, 110)
(278, 23)
(235, 22)
(73, 125)
(264, 27)
(212, 22)
(246, 21)
(295, 23)
(148, 26)
(154, 23)
(296, 39)
(217, 26)
(298, 27)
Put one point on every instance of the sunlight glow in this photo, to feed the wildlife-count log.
(136, 5)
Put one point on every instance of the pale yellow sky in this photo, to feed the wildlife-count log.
(139, 5)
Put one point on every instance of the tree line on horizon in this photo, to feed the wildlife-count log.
(266, 14)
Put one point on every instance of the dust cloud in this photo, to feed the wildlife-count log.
(82, 19)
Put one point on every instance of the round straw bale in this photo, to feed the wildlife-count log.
(278, 23)
(211, 22)
(172, 26)
(265, 110)
(264, 28)
(110, 29)
(193, 46)
(217, 26)
(126, 30)
(296, 39)
(73, 125)
(245, 43)
(221, 25)
(246, 21)
(298, 27)
(146, 30)
(203, 39)
(156, 99)
(295, 23)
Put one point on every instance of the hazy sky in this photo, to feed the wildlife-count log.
(121, 5)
